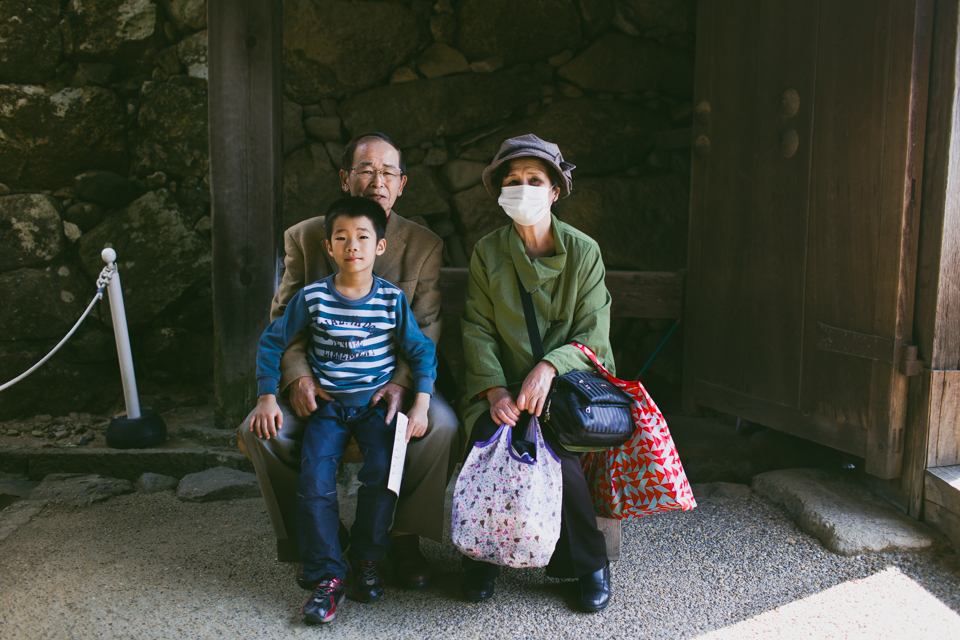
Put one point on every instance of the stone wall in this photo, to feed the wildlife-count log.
(103, 117)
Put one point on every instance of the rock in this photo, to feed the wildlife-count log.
(40, 303)
(94, 73)
(159, 255)
(479, 214)
(443, 27)
(560, 59)
(323, 128)
(596, 14)
(192, 52)
(422, 195)
(78, 489)
(29, 41)
(31, 234)
(729, 490)
(80, 128)
(441, 60)
(127, 33)
(173, 134)
(570, 91)
(652, 67)
(156, 482)
(208, 435)
(458, 175)
(599, 136)
(71, 231)
(187, 15)
(520, 32)
(340, 47)
(654, 17)
(219, 483)
(417, 112)
(16, 487)
(293, 133)
(310, 184)
(335, 151)
(17, 515)
(169, 62)
(174, 354)
(443, 227)
(487, 66)
(435, 157)
(105, 188)
(640, 223)
(43, 419)
(847, 518)
(403, 74)
(85, 215)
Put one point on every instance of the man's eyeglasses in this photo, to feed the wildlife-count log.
(368, 173)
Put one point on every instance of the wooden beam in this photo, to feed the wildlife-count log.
(244, 53)
(635, 294)
(942, 501)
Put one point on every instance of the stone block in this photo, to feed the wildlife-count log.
(159, 254)
(127, 33)
(324, 128)
(31, 234)
(29, 41)
(310, 184)
(156, 482)
(339, 47)
(220, 483)
(479, 214)
(654, 17)
(440, 59)
(293, 132)
(596, 15)
(173, 133)
(128, 464)
(80, 490)
(652, 67)
(458, 175)
(79, 128)
(106, 188)
(96, 73)
(640, 223)
(187, 15)
(422, 195)
(192, 52)
(41, 303)
(598, 136)
(837, 510)
(518, 31)
(86, 215)
(418, 112)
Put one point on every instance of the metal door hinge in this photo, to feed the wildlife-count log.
(862, 345)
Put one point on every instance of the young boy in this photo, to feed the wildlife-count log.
(356, 321)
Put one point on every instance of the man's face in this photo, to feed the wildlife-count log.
(375, 174)
(354, 245)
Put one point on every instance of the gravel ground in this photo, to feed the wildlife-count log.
(149, 566)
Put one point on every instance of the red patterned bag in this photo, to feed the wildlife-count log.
(643, 475)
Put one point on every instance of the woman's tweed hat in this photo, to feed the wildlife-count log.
(529, 146)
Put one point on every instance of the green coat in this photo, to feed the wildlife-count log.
(571, 302)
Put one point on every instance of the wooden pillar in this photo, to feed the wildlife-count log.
(244, 53)
(933, 431)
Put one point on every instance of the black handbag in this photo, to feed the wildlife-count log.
(582, 408)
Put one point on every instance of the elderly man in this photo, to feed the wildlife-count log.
(372, 166)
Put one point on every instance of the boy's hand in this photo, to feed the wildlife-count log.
(267, 417)
(417, 416)
(303, 395)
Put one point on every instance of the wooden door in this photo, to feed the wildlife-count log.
(804, 207)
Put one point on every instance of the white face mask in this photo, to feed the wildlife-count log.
(525, 204)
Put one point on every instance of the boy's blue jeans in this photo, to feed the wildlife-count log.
(326, 437)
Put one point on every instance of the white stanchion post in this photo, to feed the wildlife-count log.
(115, 294)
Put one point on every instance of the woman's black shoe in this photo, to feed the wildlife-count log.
(595, 590)
(477, 582)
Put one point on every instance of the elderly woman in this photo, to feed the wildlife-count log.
(562, 269)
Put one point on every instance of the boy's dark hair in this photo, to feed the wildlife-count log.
(356, 207)
(346, 160)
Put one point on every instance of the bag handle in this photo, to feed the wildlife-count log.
(530, 315)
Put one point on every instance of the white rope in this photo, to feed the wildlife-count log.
(102, 282)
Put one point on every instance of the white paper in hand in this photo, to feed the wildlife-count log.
(399, 454)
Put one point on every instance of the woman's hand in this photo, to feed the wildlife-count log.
(503, 409)
(536, 386)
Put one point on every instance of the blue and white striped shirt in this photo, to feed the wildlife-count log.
(353, 342)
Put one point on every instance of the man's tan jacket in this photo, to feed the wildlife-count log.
(411, 261)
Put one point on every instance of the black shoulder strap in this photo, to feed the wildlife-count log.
(531, 317)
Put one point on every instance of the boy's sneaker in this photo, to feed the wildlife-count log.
(367, 584)
(322, 605)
